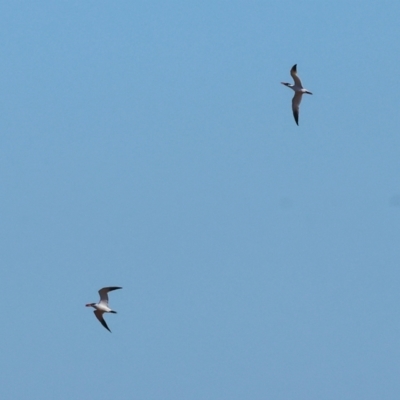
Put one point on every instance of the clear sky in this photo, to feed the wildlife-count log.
(150, 145)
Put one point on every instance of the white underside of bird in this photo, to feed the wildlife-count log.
(102, 306)
(299, 91)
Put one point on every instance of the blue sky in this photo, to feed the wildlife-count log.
(150, 145)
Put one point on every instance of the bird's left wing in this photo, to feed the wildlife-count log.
(103, 293)
(295, 77)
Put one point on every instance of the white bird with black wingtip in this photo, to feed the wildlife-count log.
(102, 306)
(299, 91)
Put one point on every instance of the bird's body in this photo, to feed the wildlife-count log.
(298, 92)
(102, 306)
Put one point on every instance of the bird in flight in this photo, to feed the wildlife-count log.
(298, 92)
(102, 306)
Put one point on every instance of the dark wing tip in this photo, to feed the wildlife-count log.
(296, 117)
(102, 321)
(114, 288)
(109, 289)
(294, 68)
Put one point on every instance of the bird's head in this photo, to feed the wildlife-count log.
(285, 83)
(90, 305)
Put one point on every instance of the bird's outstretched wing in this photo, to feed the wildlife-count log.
(295, 77)
(103, 293)
(99, 316)
(296, 105)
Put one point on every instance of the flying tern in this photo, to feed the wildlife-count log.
(298, 92)
(102, 306)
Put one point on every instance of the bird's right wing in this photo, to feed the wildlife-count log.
(99, 316)
(296, 105)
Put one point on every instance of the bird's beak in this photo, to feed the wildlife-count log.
(88, 305)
